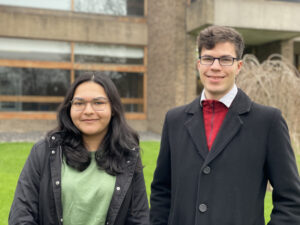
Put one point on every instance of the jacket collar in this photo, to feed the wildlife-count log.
(226, 99)
(241, 104)
(230, 126)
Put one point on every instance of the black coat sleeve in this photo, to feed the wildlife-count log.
(138, 213)
(24, 209)
(161, 185)
(283, 174)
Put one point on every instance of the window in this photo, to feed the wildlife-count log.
(32, 88)
(96, 53)
(111, 7)
(107, 7)
(35, 74)
(25, 49)
(43, 4)
(130, 87)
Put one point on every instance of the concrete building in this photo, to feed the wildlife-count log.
(147, 47)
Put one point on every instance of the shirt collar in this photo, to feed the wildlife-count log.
(226, 99)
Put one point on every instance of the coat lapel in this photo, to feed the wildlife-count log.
(195, 127)
(231, 125)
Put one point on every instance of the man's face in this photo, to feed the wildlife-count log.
(218, 80)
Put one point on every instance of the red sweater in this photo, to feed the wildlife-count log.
(214, 113)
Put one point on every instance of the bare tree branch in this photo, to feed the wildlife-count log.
(275, 82)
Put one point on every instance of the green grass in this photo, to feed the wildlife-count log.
(13, 156)
(12, 159)
(150, 151)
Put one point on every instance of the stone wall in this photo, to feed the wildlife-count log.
(21, 126)
(70, 26)
(171, 60)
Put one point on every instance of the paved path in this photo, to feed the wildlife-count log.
(34, 136)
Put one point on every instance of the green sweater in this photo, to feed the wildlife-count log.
(86, 195)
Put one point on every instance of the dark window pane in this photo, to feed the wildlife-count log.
(133, 107)
(10, 106)
(28, 106)
(135, 7)
(36, 82)
(129, 85)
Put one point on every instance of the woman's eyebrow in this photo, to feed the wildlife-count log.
(100, 98)
(78, 98)
(96, 98)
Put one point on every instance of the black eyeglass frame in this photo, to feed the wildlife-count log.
(219, 59)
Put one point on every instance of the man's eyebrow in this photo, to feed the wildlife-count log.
(219, 56)
(227, 56)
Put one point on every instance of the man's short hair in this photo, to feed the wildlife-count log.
(213, 35)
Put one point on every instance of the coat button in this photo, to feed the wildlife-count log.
(53, 137)
(128, 161)
(206, 170)
(57, 183)
(53, 152)
(202, 208)
(61, 220)
(118, 188)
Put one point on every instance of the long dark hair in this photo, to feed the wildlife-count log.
(116, 145)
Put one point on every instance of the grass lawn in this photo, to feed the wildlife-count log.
(13, 156)
(12, 159)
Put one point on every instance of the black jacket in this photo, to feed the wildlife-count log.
(226, 185)
(37, 197)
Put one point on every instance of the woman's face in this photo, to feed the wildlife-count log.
(91, 110)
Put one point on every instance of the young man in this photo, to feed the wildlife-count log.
(218, 152)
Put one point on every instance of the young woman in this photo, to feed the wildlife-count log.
(88, 170)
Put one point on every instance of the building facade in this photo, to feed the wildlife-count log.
(147, 47)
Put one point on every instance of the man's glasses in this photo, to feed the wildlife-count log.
(224, 60)
(98, 104)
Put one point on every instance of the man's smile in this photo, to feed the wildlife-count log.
(215, 77)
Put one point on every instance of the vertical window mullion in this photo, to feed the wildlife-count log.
(72, 5)
(145, 79)
(72, 62)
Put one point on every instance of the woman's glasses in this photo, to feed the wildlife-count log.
(98, 104)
